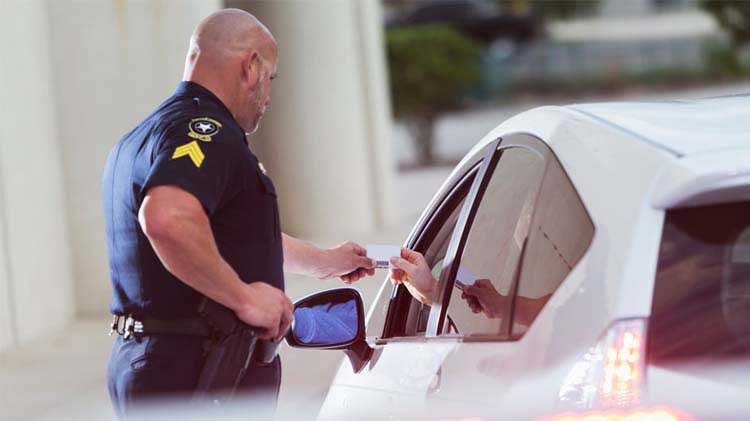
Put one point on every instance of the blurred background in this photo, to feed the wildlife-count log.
(376, 101)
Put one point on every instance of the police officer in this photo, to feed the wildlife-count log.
(191, 213)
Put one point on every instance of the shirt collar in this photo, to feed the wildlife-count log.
(193, 89)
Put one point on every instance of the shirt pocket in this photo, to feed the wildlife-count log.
(270, 200)
(266, 183)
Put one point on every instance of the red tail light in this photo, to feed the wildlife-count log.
(611, 373)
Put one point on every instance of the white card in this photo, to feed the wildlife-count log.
(464, 278)
(382, 254)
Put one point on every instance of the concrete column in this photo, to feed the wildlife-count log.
(324, 139)
(7, 323)
(36, 283)
(114, 62)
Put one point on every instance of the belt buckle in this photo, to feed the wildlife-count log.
(129, 328)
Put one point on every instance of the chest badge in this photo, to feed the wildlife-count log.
(262, 168)
(203, 128)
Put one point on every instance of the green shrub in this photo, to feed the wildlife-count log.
(721, 60)
(432, 68)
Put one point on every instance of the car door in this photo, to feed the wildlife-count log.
(394, 383)
(424, 354)
(528, 231)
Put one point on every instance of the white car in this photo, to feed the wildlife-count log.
(611, 243)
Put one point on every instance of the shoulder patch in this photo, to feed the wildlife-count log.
(203, 128)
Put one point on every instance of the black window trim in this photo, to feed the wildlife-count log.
(459, 237)
(400, 297)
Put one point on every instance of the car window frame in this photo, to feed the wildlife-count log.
(400, 299)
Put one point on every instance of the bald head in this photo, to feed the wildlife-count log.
(230, 32)
(233, 55)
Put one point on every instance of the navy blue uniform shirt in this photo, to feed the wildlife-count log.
(191, 141)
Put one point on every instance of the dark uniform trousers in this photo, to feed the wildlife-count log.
(145, 370)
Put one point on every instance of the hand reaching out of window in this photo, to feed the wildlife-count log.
(414, 272)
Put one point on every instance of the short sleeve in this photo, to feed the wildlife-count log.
(207, 170)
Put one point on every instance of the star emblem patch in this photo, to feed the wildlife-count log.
(203, 128)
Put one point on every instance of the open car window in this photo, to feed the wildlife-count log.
(404, 315)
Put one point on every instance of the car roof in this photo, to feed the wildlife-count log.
(679, 127)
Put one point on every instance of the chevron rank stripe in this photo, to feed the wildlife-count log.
(193, 150)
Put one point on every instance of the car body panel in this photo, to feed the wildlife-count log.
(683, 127)
(714, 177)
(393, 385)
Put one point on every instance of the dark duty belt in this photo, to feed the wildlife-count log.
(127, 326)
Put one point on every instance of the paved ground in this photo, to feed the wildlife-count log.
(62, 377)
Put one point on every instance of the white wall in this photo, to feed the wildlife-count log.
(114, 62)
(324, 138)
(35, 275)
(7, 324)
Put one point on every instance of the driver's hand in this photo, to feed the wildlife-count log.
(413, 271)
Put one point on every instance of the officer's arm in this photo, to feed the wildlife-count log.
(180, 233)
(347, 260)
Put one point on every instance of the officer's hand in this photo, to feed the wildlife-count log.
(268, 308)
(348, 261)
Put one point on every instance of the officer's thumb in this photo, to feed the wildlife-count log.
(270, 332)
(366, 262)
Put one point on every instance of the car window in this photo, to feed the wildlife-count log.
(560, 233)
(494, 244)
(529, 232)
(408, 316)
(434, 255)
(701, 303)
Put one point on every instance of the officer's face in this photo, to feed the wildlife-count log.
(259, 96)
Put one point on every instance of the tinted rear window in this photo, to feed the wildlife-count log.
(701, 307)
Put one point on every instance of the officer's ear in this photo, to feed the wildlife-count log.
(251, 68)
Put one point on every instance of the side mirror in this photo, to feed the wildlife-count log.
(332, 319)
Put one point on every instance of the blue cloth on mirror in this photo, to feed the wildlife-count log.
(326, 323)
